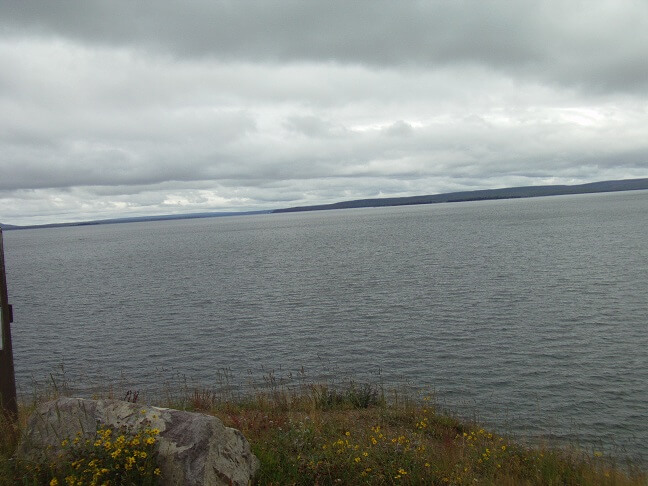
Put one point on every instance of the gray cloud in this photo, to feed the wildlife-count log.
(126, 108)
(599, 45)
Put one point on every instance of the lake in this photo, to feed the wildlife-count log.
(530, 314)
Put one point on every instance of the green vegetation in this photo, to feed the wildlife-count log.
(112, 457)
(315, 434)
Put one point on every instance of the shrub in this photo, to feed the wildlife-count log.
(112, 457)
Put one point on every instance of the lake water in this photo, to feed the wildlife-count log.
(530, 314)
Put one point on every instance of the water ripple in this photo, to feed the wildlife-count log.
(529, 314)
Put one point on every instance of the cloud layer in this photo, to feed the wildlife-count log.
(130, 108)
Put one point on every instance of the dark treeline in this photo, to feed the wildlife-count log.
(486, 194)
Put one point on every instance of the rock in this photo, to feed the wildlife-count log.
(193, 449)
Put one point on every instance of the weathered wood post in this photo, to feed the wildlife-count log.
(8, 401)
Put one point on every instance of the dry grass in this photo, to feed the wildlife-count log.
(315, 434)
(319, 435)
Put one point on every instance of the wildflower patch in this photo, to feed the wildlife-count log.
(122, 440)
(112, 456)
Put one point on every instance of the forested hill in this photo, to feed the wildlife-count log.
(506, 193)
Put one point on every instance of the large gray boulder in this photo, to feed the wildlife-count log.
(193, 449)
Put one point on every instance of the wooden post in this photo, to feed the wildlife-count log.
(8, 400)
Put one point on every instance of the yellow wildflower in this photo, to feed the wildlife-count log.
(130, 461)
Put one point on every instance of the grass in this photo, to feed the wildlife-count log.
(316, 434)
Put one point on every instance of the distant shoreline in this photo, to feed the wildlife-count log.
(462, 196)
(483, 195)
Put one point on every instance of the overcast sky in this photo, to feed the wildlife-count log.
(124, 108)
